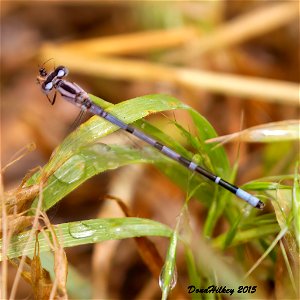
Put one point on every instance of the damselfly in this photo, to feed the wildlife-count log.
(77, 96)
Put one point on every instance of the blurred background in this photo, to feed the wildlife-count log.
(118, 50)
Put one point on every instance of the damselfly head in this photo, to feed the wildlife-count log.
(43, 72)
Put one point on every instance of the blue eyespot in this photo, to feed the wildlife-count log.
(49, 86)
(61, 73)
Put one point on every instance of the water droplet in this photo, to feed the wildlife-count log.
(118, 230)
(95, 239)
(164, 276)
(100, 147)
(111, 164)
(246, 211)
(72, 170)
(81, 230)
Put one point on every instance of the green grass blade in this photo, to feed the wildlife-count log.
(296, 205)
(86, 162)
(218, 161)
(77, 158)
(168, 276)
(69, 153)
(96, 127)
(87, 232)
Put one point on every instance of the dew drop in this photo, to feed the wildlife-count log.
(118, 230)
(111, 164)
(95, 239)
(72, 170)
(246, 211)
(81, 230)
(163, 276)
(100, 148)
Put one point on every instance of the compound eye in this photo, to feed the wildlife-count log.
(62, 72)
(47, 87)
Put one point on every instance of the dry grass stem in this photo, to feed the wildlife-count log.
(32, 234)
(242, 86)
(134, 43)
(246, 27)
